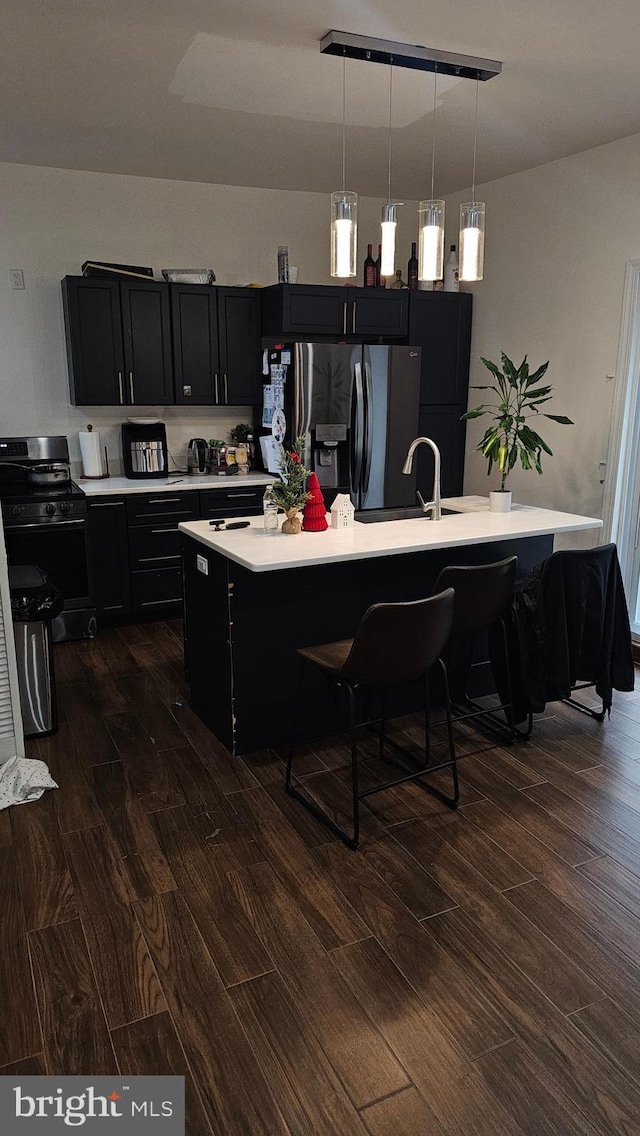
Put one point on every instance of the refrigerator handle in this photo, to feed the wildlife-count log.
(367, 441)
(301, 401)
(358, 440)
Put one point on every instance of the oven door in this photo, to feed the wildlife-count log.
(60, 550)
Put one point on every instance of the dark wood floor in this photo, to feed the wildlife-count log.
(169, 909)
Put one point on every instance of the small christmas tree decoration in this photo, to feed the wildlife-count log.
(314, 512)
(289, 493)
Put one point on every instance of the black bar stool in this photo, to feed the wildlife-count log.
(396, 643)
(483, 593)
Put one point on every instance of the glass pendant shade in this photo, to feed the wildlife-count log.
(344, 233)
(471, 254)
(430, 240)
(388, 239)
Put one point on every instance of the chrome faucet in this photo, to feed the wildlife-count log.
(433, 507)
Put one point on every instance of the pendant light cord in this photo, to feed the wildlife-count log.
(475, 143)
(344, 115)
(390, 132)
(433, 140)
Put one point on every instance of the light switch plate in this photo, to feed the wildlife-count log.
(202, 564)
(16, 278)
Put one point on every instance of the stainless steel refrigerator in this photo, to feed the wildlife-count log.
(357, 407)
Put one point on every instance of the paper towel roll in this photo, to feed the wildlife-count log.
(91, 453)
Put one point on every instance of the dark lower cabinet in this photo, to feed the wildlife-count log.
(109, 556)
(155, 590)
(134, 542)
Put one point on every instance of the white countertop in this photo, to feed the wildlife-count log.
(259, 551)
(120, 485)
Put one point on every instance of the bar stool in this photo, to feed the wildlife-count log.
(395, 643)
(483, 594)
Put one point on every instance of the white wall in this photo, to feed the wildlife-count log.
(557, 241)
(53, 220)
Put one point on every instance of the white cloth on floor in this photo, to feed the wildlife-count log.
(23, 779)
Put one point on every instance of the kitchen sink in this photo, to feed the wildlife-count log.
(402, 513)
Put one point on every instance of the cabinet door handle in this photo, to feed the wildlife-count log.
(344, 318)
(217, 393)
(106, 504)
(226, 390)
(149, 559)
(131, 392)
(163, 501)
(156, 603)
(353, 318)
(233, 496)
(121, 388)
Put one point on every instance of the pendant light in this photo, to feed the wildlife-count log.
(431, 216)
(472, 223)
(390, 210)
(344, 209)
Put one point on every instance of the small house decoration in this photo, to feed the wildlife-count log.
(342, 512)
(314, 512)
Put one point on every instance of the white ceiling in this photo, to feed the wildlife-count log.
(236, 91)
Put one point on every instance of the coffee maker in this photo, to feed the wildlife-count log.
(144, 450)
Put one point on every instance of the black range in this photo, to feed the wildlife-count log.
(45, 522)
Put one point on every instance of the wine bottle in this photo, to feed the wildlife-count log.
(380, 280)
(369, 270)
(451, 283)
(412, 269)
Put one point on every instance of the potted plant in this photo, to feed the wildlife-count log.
(290, 492)
(519, 396)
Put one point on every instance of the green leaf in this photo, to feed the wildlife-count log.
(540, 391)
(493, 367)
(509, 370)
(560, 418)
(475, 413)
(540, 442)
(538, 374)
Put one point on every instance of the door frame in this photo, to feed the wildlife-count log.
(621, 500)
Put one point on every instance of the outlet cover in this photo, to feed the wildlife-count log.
(202, 564)
(16, 279)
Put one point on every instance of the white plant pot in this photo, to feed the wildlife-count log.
(500, 501)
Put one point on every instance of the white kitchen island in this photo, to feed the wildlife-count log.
(252, 598)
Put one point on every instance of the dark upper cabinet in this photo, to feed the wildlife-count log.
(239, 331)
(147, 342)
(443, 425)
(109, 556)
(296, 310)
(378, 312)
(196, 360)
(440, 323)
(93, 329)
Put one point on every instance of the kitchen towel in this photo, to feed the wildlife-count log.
(91, 453)
(23, 779)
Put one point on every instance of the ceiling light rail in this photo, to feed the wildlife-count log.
(414, 56)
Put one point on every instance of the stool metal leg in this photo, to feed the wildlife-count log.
(350, 840)
(427, 718)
